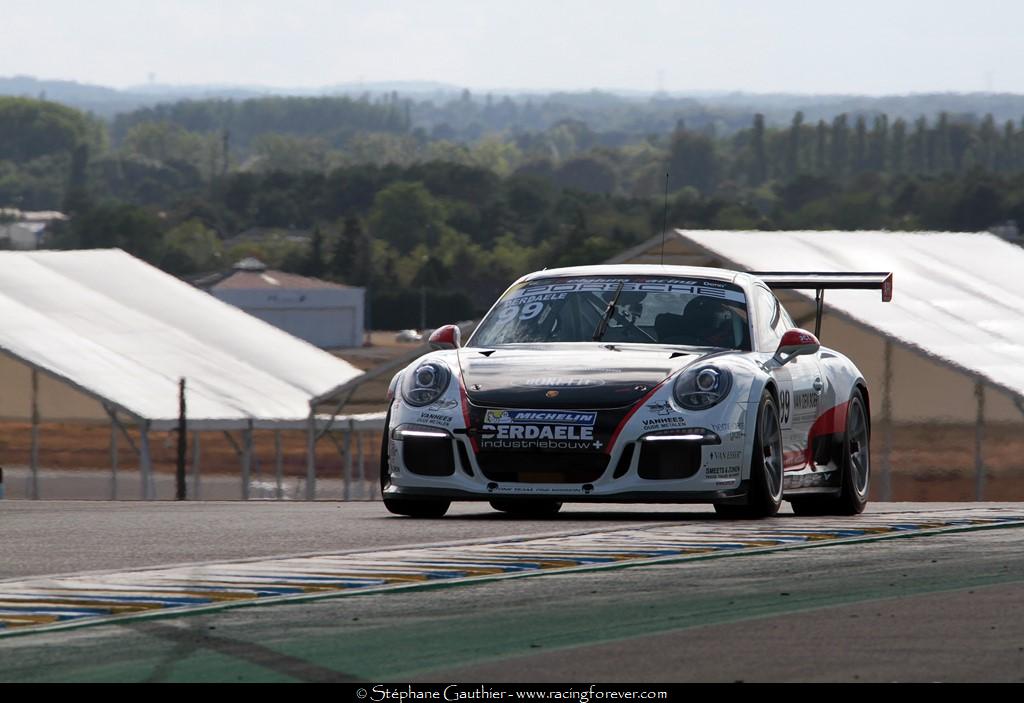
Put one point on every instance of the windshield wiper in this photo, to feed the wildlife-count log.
(602, 326)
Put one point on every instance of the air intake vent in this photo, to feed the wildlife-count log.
(624, 461)
(669, 460)
(428, 456)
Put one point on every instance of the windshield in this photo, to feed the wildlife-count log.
(635, 309)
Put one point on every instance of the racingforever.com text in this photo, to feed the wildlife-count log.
(456, 692)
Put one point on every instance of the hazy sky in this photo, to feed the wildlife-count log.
(856, 46)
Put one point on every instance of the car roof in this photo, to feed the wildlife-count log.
(637, 270)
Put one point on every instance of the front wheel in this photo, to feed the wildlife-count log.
(427, 508)
(535, 508)
(764, 496)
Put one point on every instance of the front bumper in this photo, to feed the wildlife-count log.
(650, 461)
(426, 493)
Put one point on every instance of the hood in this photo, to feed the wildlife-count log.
(567, 375)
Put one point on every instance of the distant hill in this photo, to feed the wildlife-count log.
(726, 110)
(108, 102)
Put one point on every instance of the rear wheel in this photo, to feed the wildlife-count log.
(536, 508)
(426, 508)
(764, 495)
(855, 465)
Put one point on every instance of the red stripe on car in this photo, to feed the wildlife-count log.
(832, 421)
(632, 411)
(464, 397)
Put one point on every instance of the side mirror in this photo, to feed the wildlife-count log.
(795, 343)
(447, 337)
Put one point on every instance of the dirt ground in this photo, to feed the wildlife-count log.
(936, 462)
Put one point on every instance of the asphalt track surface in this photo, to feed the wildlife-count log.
(940, 606)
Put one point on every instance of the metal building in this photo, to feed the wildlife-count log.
(325, 314)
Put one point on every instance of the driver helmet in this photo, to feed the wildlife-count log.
(710, 320)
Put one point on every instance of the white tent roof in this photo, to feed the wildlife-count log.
(957, 297)
(124, 332)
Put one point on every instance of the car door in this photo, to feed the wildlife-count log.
(800, 382)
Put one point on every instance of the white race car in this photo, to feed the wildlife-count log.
(634, 384)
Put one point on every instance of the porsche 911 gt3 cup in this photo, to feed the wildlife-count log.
(634, 384)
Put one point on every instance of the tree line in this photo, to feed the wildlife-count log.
(462, 220)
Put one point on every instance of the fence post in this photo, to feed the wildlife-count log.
(146, 461)
(113, 461)
(887, 435)
(979, 438)
(311, 456)
(246, 459)
(33, 491)
(278, 465)
(196, 483)
(347, 490)
(182, 443)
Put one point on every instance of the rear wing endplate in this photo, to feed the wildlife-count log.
(819, 282)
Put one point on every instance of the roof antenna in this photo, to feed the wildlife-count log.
(664, 221)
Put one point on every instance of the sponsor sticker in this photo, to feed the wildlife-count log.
(513, 488)
(728, 455)
(662, 423)
(435, 419)
(492, 443)
(722, 471)
(533, 417)
(539, 429)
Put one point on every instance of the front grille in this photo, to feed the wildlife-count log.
(428, 456)
(542, 467)
(669, 460)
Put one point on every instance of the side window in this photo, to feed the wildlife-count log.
(769, 323)
(785, 321)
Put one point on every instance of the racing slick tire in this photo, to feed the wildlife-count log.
(764, 493)
(854, 463)
(535, 508)
(421, 508)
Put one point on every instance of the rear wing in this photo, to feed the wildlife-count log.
(819, 282)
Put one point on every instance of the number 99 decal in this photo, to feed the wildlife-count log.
(785, 405)
(527, 312)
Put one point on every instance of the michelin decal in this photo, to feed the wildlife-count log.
(538, 429)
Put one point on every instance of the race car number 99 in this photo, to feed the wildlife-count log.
(528, 312)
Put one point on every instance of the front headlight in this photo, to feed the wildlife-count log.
(702, 387)
(426, 383)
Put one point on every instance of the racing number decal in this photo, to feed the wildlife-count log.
(531, 310)
(528, 312)
(785, 405)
